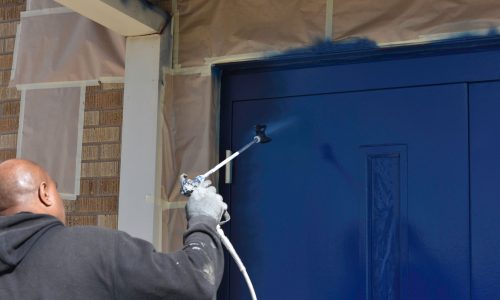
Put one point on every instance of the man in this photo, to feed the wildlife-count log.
(40, 258)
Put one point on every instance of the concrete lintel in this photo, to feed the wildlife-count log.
(126, 17)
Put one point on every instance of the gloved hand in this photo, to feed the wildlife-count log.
(204, 201)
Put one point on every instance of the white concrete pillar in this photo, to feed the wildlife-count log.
(140, 157)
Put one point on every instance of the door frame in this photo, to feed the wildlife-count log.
(475, 52)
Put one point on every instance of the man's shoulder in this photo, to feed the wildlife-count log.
(87, 234)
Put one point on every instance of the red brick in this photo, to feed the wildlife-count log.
(8, 141)
(3, 2)
(11, 12)
(100, 169)
(8, 45)
(7, 154)
(10, 108)
(110, 151)
(8, 29)
(108, 221)
(9, 93)
(69, 206)
(90, 152)
(110, 117)
(10, 124)
(4, 77)
(104, 205)
(88, 187)
(104, 100)
(91, 118)
(99, 135)
(109, 186)
(81, 220)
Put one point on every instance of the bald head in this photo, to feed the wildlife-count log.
(25, 186)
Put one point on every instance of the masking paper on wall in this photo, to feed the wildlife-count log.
(174, 225)
(218, 28)
(189, 145)
(189, 135)
(41, 4)
(50, 134)
(390, 21)
(66, 47)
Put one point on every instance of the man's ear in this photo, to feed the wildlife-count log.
(43, 194)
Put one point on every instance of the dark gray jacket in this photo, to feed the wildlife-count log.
(40, 258)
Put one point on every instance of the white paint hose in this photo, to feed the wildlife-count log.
(227, 243)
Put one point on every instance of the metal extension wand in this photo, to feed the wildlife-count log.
(188, 186)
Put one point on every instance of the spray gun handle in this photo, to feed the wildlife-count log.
(189, 185)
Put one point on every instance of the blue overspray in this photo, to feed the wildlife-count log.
(148, 5)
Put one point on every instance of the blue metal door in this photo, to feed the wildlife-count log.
(364, 191)
(354, 186)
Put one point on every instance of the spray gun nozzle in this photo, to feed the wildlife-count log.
(260, 134)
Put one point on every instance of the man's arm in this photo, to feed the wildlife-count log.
(194, 272)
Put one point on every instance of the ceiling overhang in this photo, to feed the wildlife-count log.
(126, 17)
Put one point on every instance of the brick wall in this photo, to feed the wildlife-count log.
(10, 98)
(98, 200)
(99, 185)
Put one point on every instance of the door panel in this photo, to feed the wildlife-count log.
(485, 199)
(359, 195)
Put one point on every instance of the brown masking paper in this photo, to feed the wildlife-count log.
(218, 28)
(189, 137)
(189, 144)
(390, 21)
(174, 225)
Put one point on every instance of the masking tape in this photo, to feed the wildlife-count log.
(79, 145)
(65, 196)
(112, 79)
(329, 20)
(203, 70)
(55, 85)
(165, 205)
(176, 31)
(239, 57)
(16, 51)
(21, 124)
(46, 11)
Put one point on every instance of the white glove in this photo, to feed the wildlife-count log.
(204, 201)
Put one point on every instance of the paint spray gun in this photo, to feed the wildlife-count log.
(189, 185)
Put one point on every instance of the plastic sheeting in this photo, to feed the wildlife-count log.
(40, 4)
(391, 21)
(50, 134)
(55, 46)
(189, 145)
(66, 47)
(219, 28)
